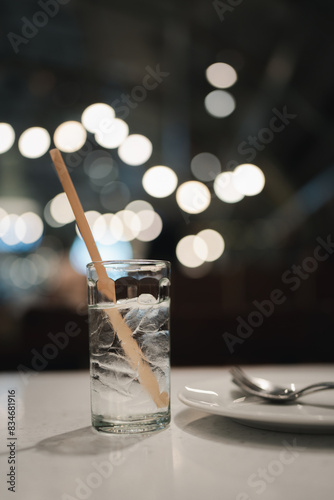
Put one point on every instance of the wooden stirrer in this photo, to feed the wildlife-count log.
(107, 286)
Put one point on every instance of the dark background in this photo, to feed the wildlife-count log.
(95, 51)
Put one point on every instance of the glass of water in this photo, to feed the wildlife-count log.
(129, 346)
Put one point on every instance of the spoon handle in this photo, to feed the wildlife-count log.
(320, 386)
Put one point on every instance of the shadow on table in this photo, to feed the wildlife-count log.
(86, 441)
(224, 430)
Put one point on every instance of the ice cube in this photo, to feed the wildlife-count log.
(146, 298)
(113, 373)
(133, 318)
(153, 319)
(102, 335)
(155, 348)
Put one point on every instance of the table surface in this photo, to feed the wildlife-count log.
(59, 456)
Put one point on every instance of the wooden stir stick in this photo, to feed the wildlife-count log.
(107, 286)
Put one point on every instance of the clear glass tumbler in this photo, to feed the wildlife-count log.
(129, 345)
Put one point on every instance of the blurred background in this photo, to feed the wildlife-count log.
(198, 132)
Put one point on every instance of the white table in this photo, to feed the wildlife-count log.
(200, 456)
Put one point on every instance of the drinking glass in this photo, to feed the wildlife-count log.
(130, 346)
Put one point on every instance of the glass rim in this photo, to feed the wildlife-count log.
(149, 262)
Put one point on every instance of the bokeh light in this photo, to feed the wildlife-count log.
(4, 221)
(215, 243)
(34, 142)
(100, 167)
(60, 209)
(7, 137)
(91, 216)
(100, 229)
(248, 179)
(130, 222)
(49, 218)
(30, 270)
(160, 181)
(146, 218)
(221, 75)
(151, 225)
(107, 229)
(193, 197)
(24, 273)
(225, 189)
(139, 205)
(32, 227)
(135, 150)
(205, 166)
(70, 136)
(79, 256)
(219, 103)
(191, 251)
(112, 135)
(97, 117)
(15, 229)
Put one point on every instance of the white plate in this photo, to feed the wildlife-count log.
(312, 414)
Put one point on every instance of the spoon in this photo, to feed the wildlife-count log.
(267, 390)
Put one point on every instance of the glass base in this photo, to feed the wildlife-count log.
(132, 425)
